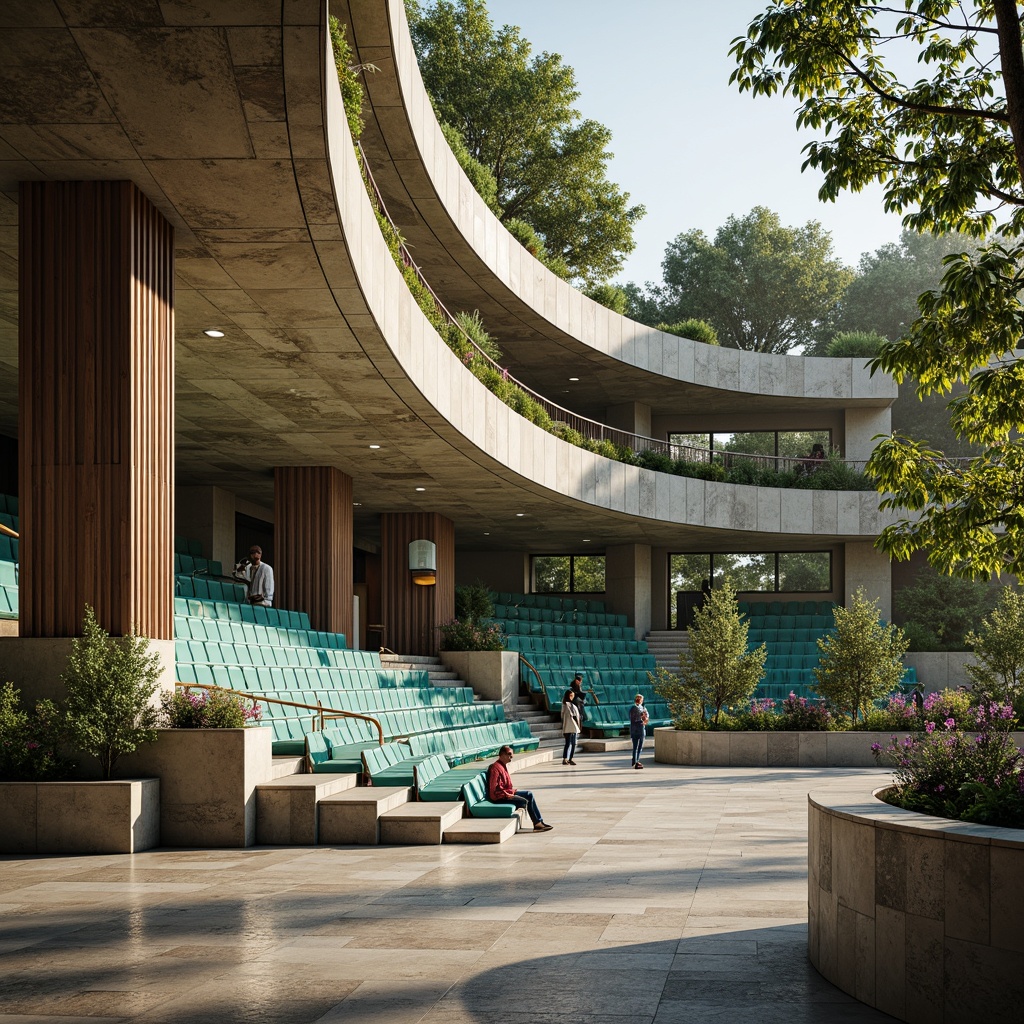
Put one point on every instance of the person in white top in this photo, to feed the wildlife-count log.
(258, 578)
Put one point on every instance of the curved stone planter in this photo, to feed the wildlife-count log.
(917, 916)
(117, 816)
(772, 749)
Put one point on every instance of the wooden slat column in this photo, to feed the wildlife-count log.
(96, 409)
(412, 613)
(313, 545)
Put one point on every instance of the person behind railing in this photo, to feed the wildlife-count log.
(815, 459)
(257, 576)
(501, 791)
(571, 727)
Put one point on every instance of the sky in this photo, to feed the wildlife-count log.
(689, 146)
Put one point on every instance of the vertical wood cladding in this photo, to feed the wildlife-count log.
(412, 613)
(96, 409)
(313, 545)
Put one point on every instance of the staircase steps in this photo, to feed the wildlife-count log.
(352, 818)
(665, 645)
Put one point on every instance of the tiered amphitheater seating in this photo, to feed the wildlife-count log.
(8, 558)
(274, 653)
(790, 631)
(562, 636)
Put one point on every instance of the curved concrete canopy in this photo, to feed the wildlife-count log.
(548, 330)
(230, 121)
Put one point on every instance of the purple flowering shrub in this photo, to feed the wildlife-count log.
(792, 714)
(30, 740)
(208, 709)
(968, 769)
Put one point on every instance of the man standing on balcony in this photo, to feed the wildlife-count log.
(258, 578)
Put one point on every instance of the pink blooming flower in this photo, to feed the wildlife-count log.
(949, 724)
(929, 727)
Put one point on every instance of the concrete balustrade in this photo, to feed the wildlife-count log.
(917, 916)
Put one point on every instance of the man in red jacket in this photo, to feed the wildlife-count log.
(501, 791)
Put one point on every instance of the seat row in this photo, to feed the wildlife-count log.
(526, 613)
(796, 641)
(559, 630)
(236, 611)
(819, 623)
(274, 678)
(548, 601)
(608, 695)
(224, 630)
(9, 504)
(285, 657)
(531, 647)
(194, 563)
(517, 640)
(8, 548)
(758, 608)
(462, 745)
(612, 719)
(186, 585)
(184, 546)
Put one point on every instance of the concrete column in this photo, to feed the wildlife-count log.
(628, 584)
(867, 567)
(207, 514)
(313, 544)
(96, 409)
(412, 612)
(632, 417)
(861, 426)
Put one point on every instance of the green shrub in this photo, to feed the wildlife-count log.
(855, 344)
(348, 78)
(30, 741)
(459, 635)
(938, 611)
(528, 238)
(999, 648)
(695, 330)
(660, 462)
(609, 295)
(474, 327)
(109, 683)
(862, 660)
(473, 601)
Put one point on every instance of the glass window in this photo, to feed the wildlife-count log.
(686, 574)
(689, 446)
(798, 444)
(805, 570)
(746, 571)
(752, 442)
(568, 574)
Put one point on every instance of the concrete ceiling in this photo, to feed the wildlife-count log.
(204, 106)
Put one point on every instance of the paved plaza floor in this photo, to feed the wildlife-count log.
(664, 896)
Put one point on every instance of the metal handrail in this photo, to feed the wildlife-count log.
(590, 429)
(8, 532)
(543, 685)
(323, 713)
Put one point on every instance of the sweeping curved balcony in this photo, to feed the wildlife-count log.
(325, 350)
(542, 323)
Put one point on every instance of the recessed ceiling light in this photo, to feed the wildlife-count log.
(214, 334)
(487, 535)
(519, 515)
(374, 445)
(574, 378)
(421, 488)
(586, 540)
(357, 504)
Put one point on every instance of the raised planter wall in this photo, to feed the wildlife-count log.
(772, 749)
(119, 816)
(208, 783)
(494, 675)
(917, 916)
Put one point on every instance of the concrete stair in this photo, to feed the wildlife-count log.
(419, 824)
(352, 818)
(286, 809)
(482, 830)
(545, 726)
(439, 673)
(666, 645)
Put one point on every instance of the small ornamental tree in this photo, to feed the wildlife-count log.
(862, 661)
(999, 647)
(716, 670)
(110, 682)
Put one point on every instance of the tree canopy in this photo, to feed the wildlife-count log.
(946, 142)
(763, 286)
(515, 112)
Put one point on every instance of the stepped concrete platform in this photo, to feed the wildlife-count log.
(482, 830)
(284, 766)
(420, 824)
(286, 809)
(352, 818)
(676, 895)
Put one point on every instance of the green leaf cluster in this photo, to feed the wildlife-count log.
(937, 611)
(946, 143)
(473, 601)
(716, 670)
(109, 685)
(998, 646)
(515, 113)
(462, 635)
(695, 330)
(862, 661)
(763, 286)
(348, 77)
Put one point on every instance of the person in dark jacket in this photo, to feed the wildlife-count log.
(638, 718)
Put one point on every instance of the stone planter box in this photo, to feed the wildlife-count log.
(119, 816)
(208, 783)
(494, 675)
(917, 916)
(772, 749)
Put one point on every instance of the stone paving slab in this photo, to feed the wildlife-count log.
(669, 896)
